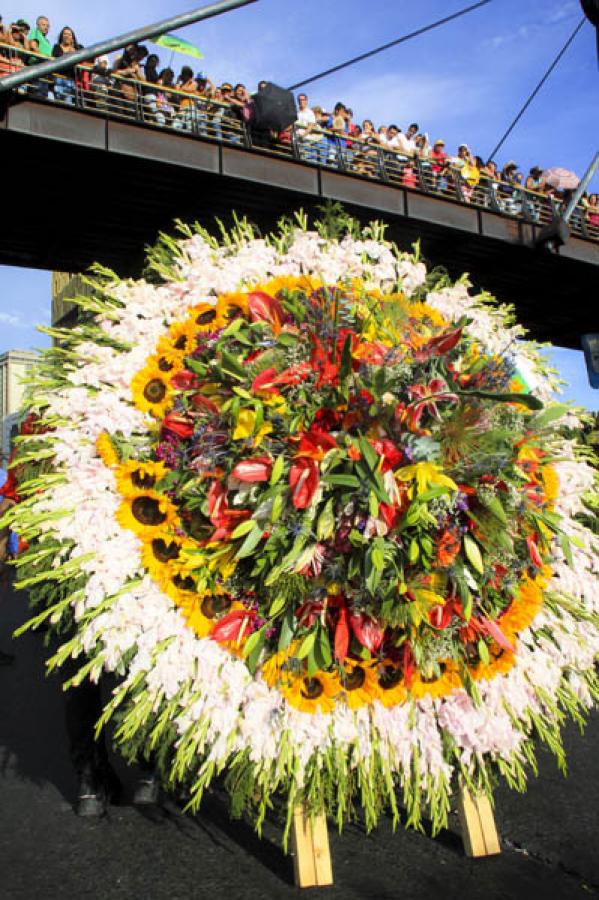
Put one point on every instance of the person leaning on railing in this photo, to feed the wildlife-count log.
(129, 70)
(64, 85)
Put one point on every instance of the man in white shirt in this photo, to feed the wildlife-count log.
(310, 139)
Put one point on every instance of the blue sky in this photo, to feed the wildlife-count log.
(463, 82)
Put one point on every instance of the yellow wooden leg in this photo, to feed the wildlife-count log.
(312, 858)
(479, 832)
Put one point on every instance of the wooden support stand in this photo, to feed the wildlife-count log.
(479, 831)
(312, 858)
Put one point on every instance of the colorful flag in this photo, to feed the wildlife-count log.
(178, 45)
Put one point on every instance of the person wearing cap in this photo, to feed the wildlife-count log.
(438, 160)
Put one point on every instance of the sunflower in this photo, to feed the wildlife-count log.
(501, 661)
(448, 682)
(524, 607)
(206, 318)
(289, 283)
(391, 684)
(190, 605)
(152, 391)
(136, 475)
(310, 694)
(550, 485)
(106, 451)
(359, 684)
(182, 336)
(170, 358)
(229, 306)
(158, 553)
(274, 669)
(147, 514)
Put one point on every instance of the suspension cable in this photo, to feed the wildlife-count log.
(401, 40)
(537, 89)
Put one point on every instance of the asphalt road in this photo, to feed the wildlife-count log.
(549, 836)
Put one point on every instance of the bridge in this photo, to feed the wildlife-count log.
(95, 174)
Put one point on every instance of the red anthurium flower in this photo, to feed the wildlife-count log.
(368, 632)
(341, 635)
(217, 500)
(233, 626)
(534, 552)
(392, 456)
(204, 404)
(184, 380)
(179, 425)
(264, 308)
(308, 612)
(304, 478)
(439, 345)
(390, 514)
(326, 420)
(258, 468)
(316, 444)
(407, 663)
(440, 616)
(265, 381)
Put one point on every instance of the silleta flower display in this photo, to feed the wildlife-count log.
(313, 504)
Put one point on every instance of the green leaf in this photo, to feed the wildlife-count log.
(373, 505)
(233, 328)
(277, 469)
(494, 505)
(277, 506)
(230, 365)
(342, 479)
(277, 605)
(483, 652)
(243, 528)
(324, 648)
(287, 630)
(287, 340)
(564, 543)
(368, 452)
(549, 415)
(525, 399)
(378, 554)
(250, 543)
(473, 554)
(413, 551)
(306, 645)
(326, 522)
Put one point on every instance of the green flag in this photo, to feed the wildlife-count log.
(178, 45)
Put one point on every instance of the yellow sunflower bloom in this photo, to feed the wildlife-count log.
(148, 513)
(182, 336)
(310, 694)
(135, 475)
(205, 317)
(158, 553)
(359, 684)
(230, 305)
(550, 484)
(391, 684)
(424, 474)
(152, 391)
(448, 682)
(106, 451)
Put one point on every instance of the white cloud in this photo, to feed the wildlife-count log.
(13, 321)
(555, 15)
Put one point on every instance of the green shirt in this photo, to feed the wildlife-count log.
(43, 44)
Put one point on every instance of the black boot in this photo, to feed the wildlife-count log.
(147, 790)
(98, 785)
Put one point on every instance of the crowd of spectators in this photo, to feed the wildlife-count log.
(135, 82)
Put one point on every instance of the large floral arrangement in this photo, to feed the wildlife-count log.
(310, 502)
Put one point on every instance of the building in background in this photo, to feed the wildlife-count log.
(65, 286)
(14, 367)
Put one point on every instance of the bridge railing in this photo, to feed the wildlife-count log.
(170, 109)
